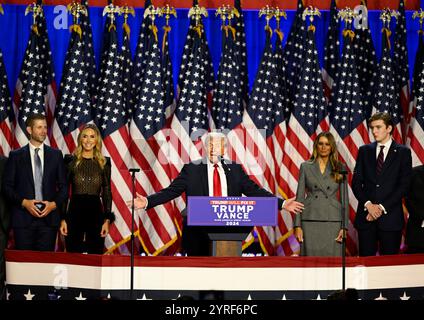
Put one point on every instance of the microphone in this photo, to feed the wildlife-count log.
(343, 169)
(134, 170)
(224, 165)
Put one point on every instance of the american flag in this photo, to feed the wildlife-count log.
(231, 94)
(308, 117)
(228, 107)
(167, 76)
(190, 48)
(47, 69)
(35, 90)
(264, 113)
(74, 104)
(400, 62)
(139, 60)
(385, 95)
(332, 51)
(416, 127)
(170, 104)
(149, 150)
(6, 113)
(348, 121)
(112, 121)
(293, 53)
(230, 98)
(90, 62)
(105, 42)
(418, 65)
(366, 61)
(280, 61)
(241, 52)
(285, 240)
(192, 117)
(127, 71)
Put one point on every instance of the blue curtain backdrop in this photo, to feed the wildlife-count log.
(15, 29)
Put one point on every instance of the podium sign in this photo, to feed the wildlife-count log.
(232, 211)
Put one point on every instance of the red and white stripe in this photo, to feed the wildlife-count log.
(157, 225)
(116, 146)
(6, 137)
(415, 138)
(348, 152)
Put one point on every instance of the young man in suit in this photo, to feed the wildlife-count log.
(4, 231)
(35, 184)
(213, 176)
(380, 180)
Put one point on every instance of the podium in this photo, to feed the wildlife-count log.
(228, 220)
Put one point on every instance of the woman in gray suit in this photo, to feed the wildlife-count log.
(318, 228)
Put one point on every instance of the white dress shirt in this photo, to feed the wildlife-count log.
(385, 150)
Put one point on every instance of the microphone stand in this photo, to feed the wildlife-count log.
(132, 171)
(343, 199)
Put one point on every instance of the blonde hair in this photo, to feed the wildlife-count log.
(333, 157)
(97, 151)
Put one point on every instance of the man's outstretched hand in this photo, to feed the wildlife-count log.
(292, 205)
(140, 202)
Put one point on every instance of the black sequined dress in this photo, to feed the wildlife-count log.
(89, 205)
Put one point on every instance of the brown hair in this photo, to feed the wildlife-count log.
(97, 152)
(34, 117)
(333, 157)
(386, 117)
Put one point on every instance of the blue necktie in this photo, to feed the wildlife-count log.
(38, 176)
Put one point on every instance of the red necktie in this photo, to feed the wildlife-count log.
(216, 182)
(380, 160)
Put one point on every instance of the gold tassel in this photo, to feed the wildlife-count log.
(167, 29)
(155, 31)
(76, 28)
(127, 29)
(268, 28)
(388, 34)
(280, 34)
(199, 29)
(35, 29)
(229, 28)
(349, 33)
(112, 26)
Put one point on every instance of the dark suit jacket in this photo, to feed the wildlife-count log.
(415, 204)
(18, 184)
(4, 211)
(193, 180)
(387, 189)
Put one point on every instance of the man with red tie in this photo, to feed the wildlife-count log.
(212, 176)
(380, 180)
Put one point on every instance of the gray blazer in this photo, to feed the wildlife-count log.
(319, 193)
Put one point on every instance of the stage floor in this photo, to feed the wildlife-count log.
(66, 276)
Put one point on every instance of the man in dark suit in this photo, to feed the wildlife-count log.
(35, 184)
(4, 231)
(380, 180)
(415, 205)
(205, 178)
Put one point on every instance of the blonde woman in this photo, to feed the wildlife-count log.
(88, 216)
(319, 227)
